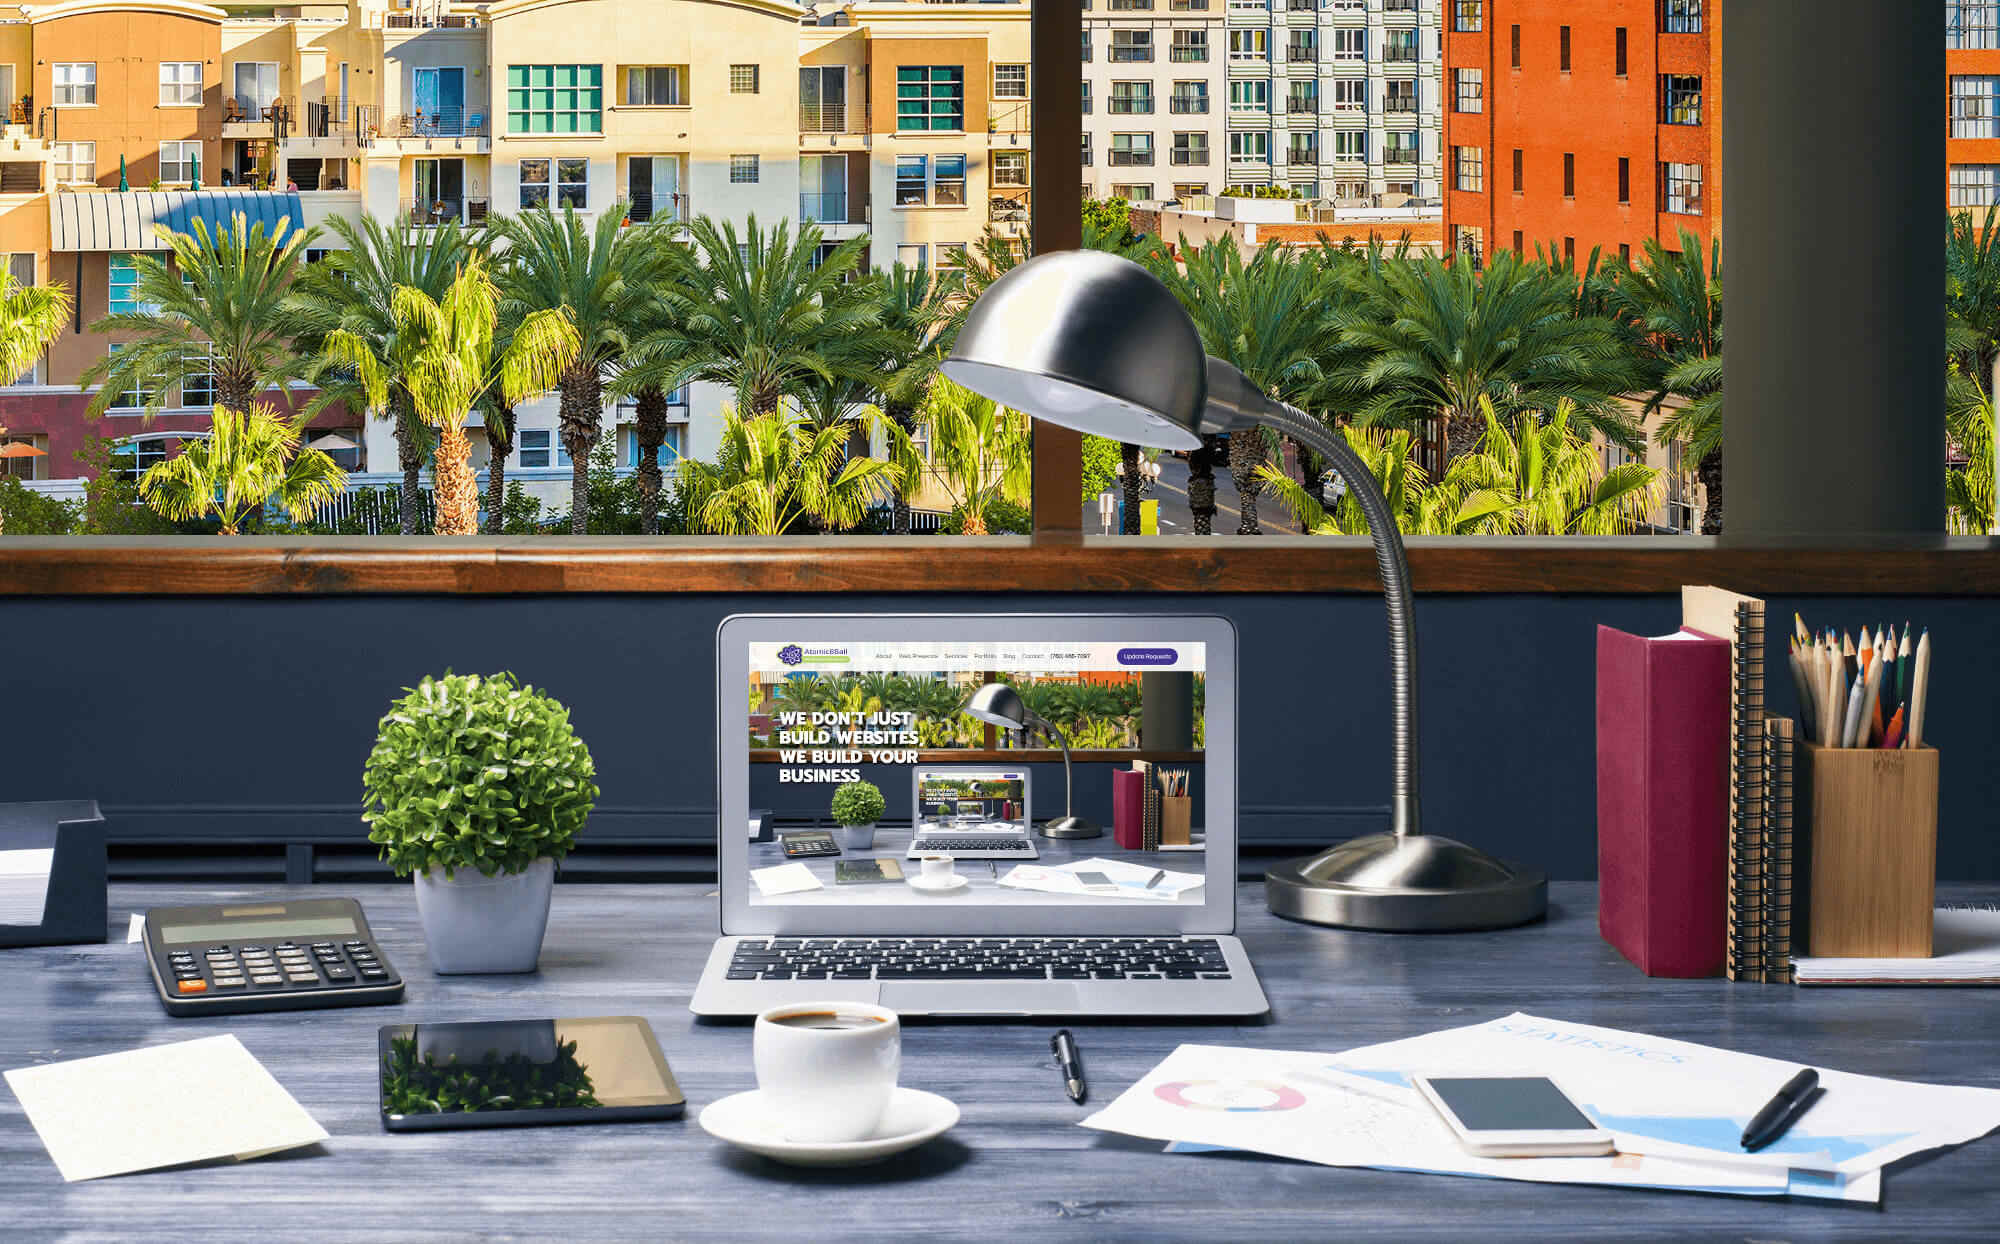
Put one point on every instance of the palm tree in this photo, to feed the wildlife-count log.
(915, 307)
(1969, 422)
(353, 292)
(774, 473)
(980, 453)
(1268, 316)
(1972, 307)
(1433, 339)
(454, 359)
(31, 316)
(227, 310)
(601, 278)
(1673, 301)
(247, 458)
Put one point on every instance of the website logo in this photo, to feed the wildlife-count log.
(1148, 656)
(791, 654)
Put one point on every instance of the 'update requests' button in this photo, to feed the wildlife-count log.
(1147, 656)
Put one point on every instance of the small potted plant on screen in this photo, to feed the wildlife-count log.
(856, 808)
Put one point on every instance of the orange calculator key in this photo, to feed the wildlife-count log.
(194, 986)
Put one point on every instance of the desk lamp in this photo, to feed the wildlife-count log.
(1000, 705)
(1095, 342)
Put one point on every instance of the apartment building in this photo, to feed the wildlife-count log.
(1153, 98)
(1338, 99)
(1972, 62)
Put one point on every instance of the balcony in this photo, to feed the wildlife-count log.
(1131, 55)
(432, 212)
(1399, 104)
(443, 123)
(1130, 106)
(643, 206)
(1008, 210)
(1400, 54)
(1399, 155)
(429, 21)
(831, 207)
(842, 118)
(248, 116)
(1190, 157)
(1188, 106)
(1399, 6)
(1131, 158)
(1300, 54)
(1187, 6)
(1300, 6)
(1181, 55)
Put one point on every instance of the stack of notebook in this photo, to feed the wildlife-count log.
(1966, 944)
(1780, 735)
(1740, 620)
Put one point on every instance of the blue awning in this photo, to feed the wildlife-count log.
(124, 220)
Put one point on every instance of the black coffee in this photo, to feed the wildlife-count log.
(826, 1019)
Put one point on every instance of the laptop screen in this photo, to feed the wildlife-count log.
(931, 771)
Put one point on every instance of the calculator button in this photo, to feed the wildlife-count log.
(228, 982)
(322, 945)
(340, 975)
(253, 950)
(266, 978)
(374, 974)
(194, 986)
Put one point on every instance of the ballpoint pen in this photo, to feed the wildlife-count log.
(1063, 1046)
(1783, 1110)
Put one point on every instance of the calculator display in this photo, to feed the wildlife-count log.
(240, 930)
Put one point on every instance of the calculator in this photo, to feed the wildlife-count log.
(289, 955)
(809, 844)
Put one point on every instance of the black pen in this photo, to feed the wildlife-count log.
(1063, 1046)
(1778, 1114)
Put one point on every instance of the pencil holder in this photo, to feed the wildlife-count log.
(1176, 820)
(1872, 851)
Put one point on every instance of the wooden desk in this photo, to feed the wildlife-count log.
(1016, 1164)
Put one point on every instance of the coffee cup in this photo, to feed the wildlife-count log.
(936, 869)
(827, 1069)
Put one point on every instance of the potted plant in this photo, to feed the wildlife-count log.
(856, 808)
(477, 787)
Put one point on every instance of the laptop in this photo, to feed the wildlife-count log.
(970, 812)
(1091, 927)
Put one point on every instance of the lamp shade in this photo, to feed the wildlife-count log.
(998, 704)
(1089, 341)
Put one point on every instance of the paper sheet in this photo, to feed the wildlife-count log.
(163, 1105)
(784, 879)
(24, 884)
(1129, 877)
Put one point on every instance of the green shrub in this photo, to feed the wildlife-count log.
(25, 512)
(1100, 466)
(472, 772)
(858, 803)
(1003, 518)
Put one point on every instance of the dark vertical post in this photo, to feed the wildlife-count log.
(1832, 221)
(1055, 214)
(1166, 711)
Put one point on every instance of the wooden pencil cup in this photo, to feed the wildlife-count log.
(1176, 820)
(1872, 851)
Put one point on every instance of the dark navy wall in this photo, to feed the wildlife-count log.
(220, 720)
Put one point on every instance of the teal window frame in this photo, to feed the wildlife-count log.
(555, 99)
(122, 286)
(930, 99)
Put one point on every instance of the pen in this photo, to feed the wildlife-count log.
(1159, 875)
(1063, 1046)
(1778, 1114)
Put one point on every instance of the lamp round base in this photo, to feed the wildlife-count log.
(1421, 883)
(1071, 827)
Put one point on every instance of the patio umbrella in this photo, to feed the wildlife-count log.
(330, 442)
(122, 183)
(194, 181)
(21, 449)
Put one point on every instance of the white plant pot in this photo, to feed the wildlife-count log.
(857, 837)
(474, 923)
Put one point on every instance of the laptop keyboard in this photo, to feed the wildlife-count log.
(961, 843)
(990, 958)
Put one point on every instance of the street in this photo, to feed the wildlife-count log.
(1177, 520)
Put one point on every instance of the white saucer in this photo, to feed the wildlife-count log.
(950, 885)
(746, 1121)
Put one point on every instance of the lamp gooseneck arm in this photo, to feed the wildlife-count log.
(1394, 566)
(1069, 790)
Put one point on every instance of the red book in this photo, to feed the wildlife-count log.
(1663, 799)
(1128, 808)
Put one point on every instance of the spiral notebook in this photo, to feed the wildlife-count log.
(1740, 620)
(1780, 734)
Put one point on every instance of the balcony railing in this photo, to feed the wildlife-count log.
(1399, 155)
(1299, 54)
(1180, 54)
(1399, 6)
(1187, 6)
(1191, 157)
(830, 207)
(21, 111)
(429, 21)
(1141, 105)
(441, 211)
(442, 123)
(1131, 159)
(1008, 206)
(278, 112)
(1131, 55)
(1299, 6)
(1398, 103)
(642, 206)
(1399, 54)
(841, 118)
(1188, 106)
(327, 118)
(1302, 155)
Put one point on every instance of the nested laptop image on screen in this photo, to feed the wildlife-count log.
(956, 784)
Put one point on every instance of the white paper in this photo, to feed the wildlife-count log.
(1131, 879)
(784, 879)
(1965, 946)
(24, 884)
(136, 930)
(163, 1105)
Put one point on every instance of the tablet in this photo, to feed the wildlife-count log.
(524, 1073)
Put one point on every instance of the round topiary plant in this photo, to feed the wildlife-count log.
(479, 773)
(858, 803)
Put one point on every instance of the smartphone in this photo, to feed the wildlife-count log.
(1096, 883)
(1514, 1117)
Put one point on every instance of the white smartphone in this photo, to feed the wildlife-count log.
(1097, 883)
(1514, 1117)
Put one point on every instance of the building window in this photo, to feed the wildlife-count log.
(1350, 192)
(1086, 159)
(1083, 98)
(1624, 252)
(1303, 150)
(1680, 99)
(1514, 46)
(1249, 45)
(75, 163)
(1401, 148)
(743, 79)
(536, 446)
(1469, 241)
(127, 399)
(1517, 241)
(1350, 95)
(1129, 150)
(1974, 113)
(1129, 98)
(1569, 174)
(1190, 189)
(912, 180)
(1519, 177)
(1086, 47)
(1348, 45)
(1010, 168)
(570, 185)
(1683, 17)
(178, 160)
(1975, 185)
(1132, 47)
(948, 184)
(1189, 47)
(1680, 189)
(1400, 46)
(1302, 97)
(1250, 96)
(1191, 149)
(1299, 48)
(198, 386)
(1131, 6)
(1569, 250)
(1469, 90)
(1350, 145)
(743, 170)
(75, 83)
(1132, 191)
(1468, 16)
(180, 83)
(1620, 52)
(1251, 147)
(1624, 179)
(1469, 168)
(1562, 53)
(1189, 99)
(1010, 82)
(1405, 189)
(555, 99)
(122, 297)
(1400, 95)
(137, 456)
(655, 86)
(930, 97)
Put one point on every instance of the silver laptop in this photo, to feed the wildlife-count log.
(1092, 927)
(972, 812)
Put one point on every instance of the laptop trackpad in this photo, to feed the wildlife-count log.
(978, 997)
